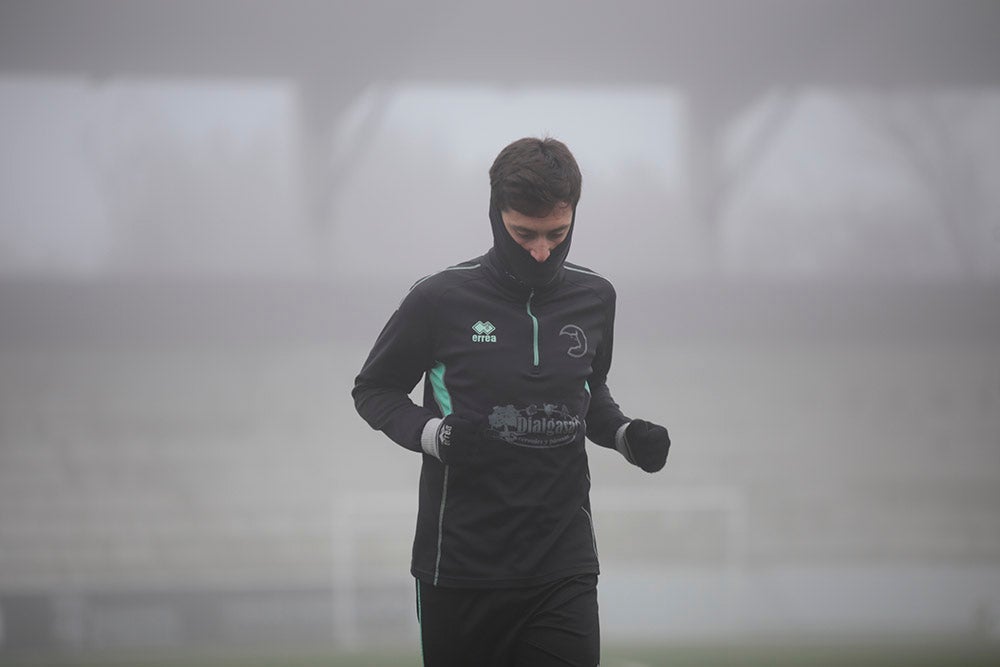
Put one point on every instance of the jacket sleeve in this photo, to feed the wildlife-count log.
(398, 360)
(604, 417)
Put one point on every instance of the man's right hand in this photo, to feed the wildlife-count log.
(456, 440)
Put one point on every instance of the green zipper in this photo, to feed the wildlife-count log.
(534, 328)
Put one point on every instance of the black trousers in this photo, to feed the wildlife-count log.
(552, 625)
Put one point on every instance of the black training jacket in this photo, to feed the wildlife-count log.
(534, 364)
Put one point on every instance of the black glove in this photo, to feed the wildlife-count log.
(458, 439)
(646, 445)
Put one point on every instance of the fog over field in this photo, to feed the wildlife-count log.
(209, 210)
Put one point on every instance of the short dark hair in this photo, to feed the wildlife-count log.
(533, 176)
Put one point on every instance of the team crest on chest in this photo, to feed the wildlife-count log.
(577, 340)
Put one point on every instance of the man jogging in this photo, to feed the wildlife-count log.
(514, 348)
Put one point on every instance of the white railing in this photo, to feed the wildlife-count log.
(373, 532)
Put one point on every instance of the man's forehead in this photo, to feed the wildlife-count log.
(561, 216)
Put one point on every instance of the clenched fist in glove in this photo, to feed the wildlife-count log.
(453, 440)
(644, 444)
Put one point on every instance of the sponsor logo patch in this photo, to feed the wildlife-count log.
(542, 426)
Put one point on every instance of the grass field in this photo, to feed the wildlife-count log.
(974, 654)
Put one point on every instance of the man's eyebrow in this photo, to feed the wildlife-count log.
(532, 230)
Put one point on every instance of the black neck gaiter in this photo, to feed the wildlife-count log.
(519, 263)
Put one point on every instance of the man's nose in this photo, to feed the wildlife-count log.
(540, 250)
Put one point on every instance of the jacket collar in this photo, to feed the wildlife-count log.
(509, 283)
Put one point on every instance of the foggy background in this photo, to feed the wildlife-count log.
(209, 209)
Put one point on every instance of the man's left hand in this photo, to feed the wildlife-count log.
(646, 445)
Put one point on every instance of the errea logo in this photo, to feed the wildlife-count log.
(484, 332)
